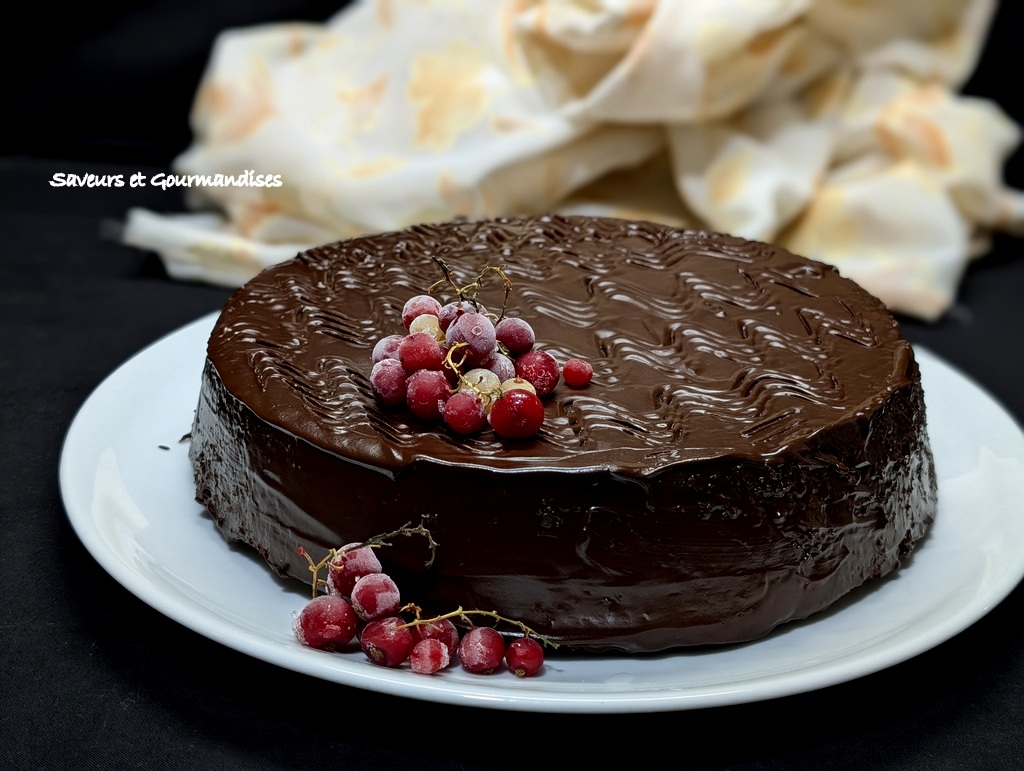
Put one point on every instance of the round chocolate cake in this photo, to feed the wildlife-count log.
(751, 448)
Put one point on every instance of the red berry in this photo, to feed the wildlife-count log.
(441, 629)
(481, 650)
(453, 310)
(386, 641)
(426, 391)
(420, 351)
(577, 373)
(327, 622)
(541, 369)
(348, 565)
(464, 412)
(428, 656)
(375, 595)
(477, 332)
(524, 657)
(515, 334)
(388, 378)
(518, 414)
(501, 365)
(417, 306)
(386, 348)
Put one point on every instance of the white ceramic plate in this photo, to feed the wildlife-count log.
(127, 487)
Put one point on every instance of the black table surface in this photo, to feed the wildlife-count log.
(94, 678)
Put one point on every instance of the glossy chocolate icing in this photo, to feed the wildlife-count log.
(752, 446)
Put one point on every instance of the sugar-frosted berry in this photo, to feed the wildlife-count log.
(541, 369)
(386, 641)
(465, 412)
(417, 305)
(388, 379)
(327, 622)
(501, 365)
(348, 565)
(426, 391)
(439, 629)
(375, 595)
(524, 657)
(518, 414)
(420, 350)
(481, 650)
(515, 334)
(453, 310)
(429, 656)
(386, 348)
(477, 332)
(577, 373)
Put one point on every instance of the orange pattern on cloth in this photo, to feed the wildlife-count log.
(832, 128)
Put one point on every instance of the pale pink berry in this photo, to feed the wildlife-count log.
(429, 656)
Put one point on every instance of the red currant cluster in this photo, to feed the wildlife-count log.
(363, 601)
(459, 364)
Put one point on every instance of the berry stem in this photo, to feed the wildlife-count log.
(374, 543)
(463, 614)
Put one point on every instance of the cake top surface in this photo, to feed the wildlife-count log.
(702, 344)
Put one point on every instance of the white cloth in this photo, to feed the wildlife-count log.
(832, 128)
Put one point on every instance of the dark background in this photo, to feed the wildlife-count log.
(93, 678)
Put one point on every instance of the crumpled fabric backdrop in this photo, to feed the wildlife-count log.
(830, 127)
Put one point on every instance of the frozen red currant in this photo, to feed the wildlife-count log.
(477, 332)
(453, 310)
(386, 348)
(426, 391)
(465, 413)
(327, 622)
(349, 564)
(481, 650)
(375, 595)
(439, 629)
(388, 378)
(515, 334)
(524, 657)
(429, 656)
(541, 369)
(518, 414)
(577, 373)
(418, 305)
(386, 641)
(420, 350)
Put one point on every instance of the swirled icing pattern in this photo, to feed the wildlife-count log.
(752, 446)
(700, 344)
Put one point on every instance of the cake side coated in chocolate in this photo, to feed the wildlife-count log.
(752, 446)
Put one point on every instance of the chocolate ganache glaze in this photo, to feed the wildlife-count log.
(752, 446)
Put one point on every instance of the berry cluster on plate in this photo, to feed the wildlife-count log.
(361, 601)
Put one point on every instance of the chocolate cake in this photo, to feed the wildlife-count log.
(752, 446)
